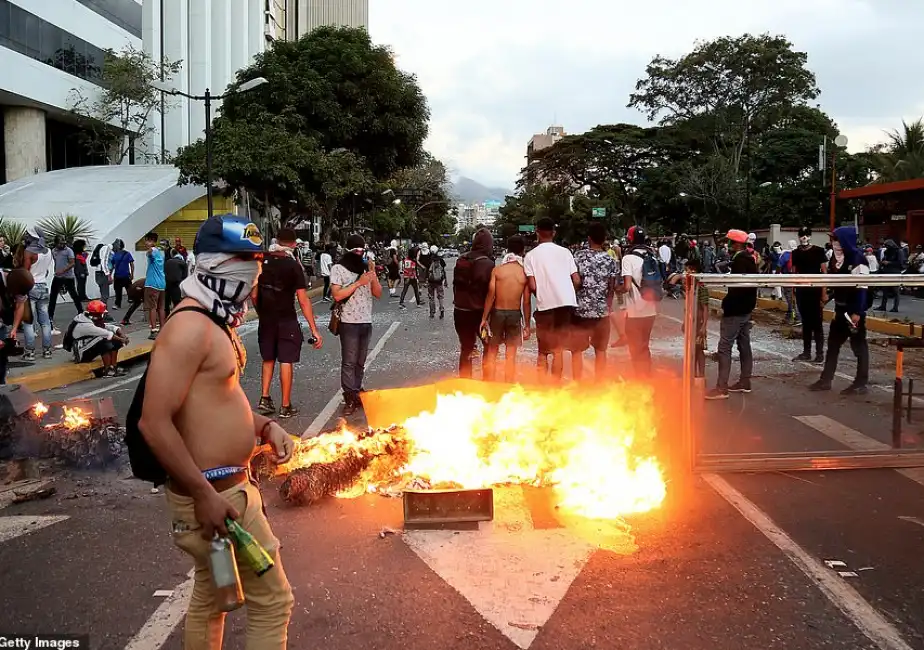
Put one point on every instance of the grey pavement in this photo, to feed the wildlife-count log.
(697, 574)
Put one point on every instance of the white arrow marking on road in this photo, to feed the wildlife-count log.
(165, 618)
(513, 575)
(322, 418)
(13, 526)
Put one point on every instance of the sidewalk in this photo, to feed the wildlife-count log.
(60, 370)
(909, 321)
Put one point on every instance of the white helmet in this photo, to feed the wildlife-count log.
(394, 243)
(434, 249)
(752, 238)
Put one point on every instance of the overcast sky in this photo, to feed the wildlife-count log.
(497, 71)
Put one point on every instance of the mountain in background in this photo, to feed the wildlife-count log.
(467, 190)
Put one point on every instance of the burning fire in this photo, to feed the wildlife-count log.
(595, 448)
(39, 410)
(73, 418)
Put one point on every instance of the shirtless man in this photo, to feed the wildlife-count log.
(506, 309)
(204, 438)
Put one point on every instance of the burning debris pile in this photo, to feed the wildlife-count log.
(81, 434)
(334, 463)
(595, 449)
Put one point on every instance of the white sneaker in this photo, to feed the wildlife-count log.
(55, 331)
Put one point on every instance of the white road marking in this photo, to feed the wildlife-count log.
(158, 628)
(513, 575)
(163, 593)
(853, 439)
(842, 595)
(108, 387)
(322, 418)
(15, 525)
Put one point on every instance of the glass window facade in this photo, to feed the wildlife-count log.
(28, 34)
(124, 13)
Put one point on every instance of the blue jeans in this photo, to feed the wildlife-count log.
(354, 347)
(39, 297)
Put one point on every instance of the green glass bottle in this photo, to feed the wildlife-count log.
(249, 549)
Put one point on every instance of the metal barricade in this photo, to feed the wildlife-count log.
(694, 387)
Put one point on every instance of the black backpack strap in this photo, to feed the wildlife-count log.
(205, 312)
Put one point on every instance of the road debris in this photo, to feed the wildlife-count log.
(386, 531)
(34, 495)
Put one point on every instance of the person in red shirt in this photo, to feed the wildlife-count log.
(409, 273)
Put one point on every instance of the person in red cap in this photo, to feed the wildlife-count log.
(90, 336)
(737, 306)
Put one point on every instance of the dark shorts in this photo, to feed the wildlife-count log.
(153, 299)
(393, 273)
(280, 341)
(506, 327)
(99, 349)
(590, 332)
(552, 326)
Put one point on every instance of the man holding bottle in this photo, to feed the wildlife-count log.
(205, 449)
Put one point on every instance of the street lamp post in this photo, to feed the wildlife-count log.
(839, 141)
(207, 98)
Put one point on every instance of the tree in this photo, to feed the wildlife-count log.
(901, 157)
(66, 226)
(336, 120)
(424, 189)
(118, 115)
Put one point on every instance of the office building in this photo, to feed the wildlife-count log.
(305, 15)
(542, 141)
(49, 49)
(214, 39)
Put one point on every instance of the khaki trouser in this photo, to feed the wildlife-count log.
(268, 597)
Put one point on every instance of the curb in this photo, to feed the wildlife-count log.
(72, 373)
(873, 323)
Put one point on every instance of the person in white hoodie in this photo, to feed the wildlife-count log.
(91, 337)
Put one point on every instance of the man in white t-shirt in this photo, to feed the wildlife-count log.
(553, 277)
(640, 313)
(665, 253)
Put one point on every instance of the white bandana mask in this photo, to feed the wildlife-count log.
(805, 241)
(838, 253)
(222, 283)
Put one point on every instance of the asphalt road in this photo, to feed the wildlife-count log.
(732, 562)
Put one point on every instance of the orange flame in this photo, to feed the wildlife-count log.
(39, 409)
(74, 418)
(594, 446)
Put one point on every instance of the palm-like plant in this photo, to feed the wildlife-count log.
(67, 226)
(12, 231)
(902, 157)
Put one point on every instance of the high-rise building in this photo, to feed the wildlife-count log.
(48, 50)
(214, 39)
(542, 141)
(305, 15)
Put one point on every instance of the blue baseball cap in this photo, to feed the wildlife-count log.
(228, 233)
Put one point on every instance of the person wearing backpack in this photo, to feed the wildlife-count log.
(100, 263)
(190, 424)
(643, 286)
(735, 327)
(470, 282)
(436, 281)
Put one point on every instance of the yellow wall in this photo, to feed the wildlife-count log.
(185, 222)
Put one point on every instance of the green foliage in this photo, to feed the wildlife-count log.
(736, 146)
(67, 226)
(335, 121)
(12, 231)
(901, 158)
(123, 104)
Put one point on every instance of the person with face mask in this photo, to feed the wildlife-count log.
(776, 253)
(809, 259)
(354, 284)
(198, 423)
(849, 322)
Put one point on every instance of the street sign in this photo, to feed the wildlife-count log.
(599, 213)
(527, 228)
